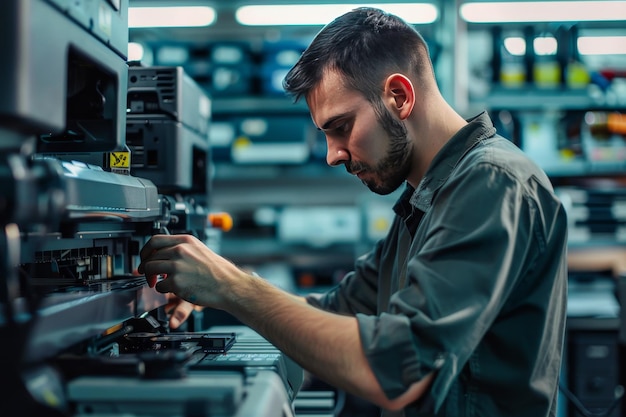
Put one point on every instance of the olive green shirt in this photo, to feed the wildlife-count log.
(470, 282)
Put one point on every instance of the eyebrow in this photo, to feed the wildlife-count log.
(332, 120)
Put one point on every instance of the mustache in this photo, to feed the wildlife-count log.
(352, 167)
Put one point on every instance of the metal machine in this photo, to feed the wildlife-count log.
(80, 331)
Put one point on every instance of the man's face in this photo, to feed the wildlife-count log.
(373, 146)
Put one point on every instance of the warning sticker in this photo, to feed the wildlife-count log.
(119, 159)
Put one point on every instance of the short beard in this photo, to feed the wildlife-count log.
(392, 171)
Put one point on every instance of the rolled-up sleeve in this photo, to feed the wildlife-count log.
(392, 352)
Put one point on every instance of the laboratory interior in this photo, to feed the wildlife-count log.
(123, 119)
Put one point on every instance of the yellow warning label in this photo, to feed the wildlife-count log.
(119, 159)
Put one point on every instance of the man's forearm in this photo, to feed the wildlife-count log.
(328, 345)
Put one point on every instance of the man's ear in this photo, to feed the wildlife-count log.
(400, 95)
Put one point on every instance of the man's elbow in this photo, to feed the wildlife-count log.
(412, 394)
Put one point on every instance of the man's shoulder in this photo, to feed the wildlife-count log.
(502, 154)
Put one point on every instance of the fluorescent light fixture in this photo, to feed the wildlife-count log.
(542, 45)
(602, 45)
(135, 51)
(321, 14)
(183, 16)
(515, 45)
(543, 11)
(545, 45)
(587, 45)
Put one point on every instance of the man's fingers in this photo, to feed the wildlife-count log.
(164, 286)
(180, 313)
(164, 254)
(154, 279)
(154, 267)
(158, 243)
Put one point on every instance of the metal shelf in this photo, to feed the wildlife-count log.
(258, 105)
(533, 98)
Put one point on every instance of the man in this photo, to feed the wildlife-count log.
(460, 310)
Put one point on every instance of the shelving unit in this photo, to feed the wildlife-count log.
(257, 105)
(548, 122)
(533, 98)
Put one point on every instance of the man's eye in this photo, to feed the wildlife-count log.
(343, 128)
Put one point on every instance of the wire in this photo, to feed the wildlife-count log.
(339, 402)
(619, 395)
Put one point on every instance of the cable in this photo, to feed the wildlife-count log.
(619, 395)
(339, 402)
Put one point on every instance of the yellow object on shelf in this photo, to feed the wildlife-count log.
(547, 74)
(577, 75)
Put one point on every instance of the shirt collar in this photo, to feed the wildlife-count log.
(479, 127)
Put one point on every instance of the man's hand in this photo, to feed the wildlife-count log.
(185, 266)
(179, 310)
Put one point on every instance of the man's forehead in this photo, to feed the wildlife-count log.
(326, 91)
(330, 81)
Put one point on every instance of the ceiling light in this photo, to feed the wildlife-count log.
(587, 45)
(321, 14)
(135, 51)
(602, 45)
(543, 11)
(189, 16)
(545, 45)
(515, 45)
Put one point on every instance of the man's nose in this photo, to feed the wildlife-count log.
(336, 155)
